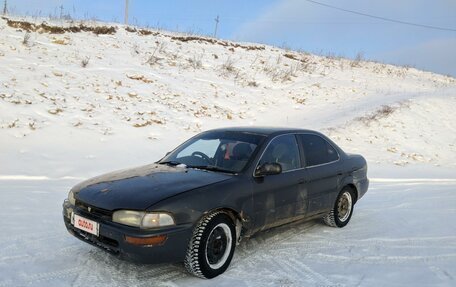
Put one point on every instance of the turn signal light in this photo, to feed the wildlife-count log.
(149, 241)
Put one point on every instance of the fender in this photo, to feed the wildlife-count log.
(350, 181)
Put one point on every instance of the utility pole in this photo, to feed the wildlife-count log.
(5, 7)
(126, 12)
(217, 20)
(61, 11)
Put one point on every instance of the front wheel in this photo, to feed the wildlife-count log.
(211, 247)
(342, 211)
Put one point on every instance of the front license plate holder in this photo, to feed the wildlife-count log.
(85, 224)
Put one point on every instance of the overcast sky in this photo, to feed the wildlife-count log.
(297, 24)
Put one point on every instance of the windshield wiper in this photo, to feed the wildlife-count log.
(211, 168)
(170, 162)
(205, 167)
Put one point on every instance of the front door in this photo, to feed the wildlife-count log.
(274, 196)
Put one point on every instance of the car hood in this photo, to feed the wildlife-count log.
(141, 187)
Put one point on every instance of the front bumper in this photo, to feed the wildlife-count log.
(112, 239)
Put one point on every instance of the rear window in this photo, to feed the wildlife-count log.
(317, 150)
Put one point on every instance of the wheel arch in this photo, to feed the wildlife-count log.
(354, 189)
(234, 215)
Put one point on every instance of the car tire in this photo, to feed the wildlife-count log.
(342, 211)
(212, 245)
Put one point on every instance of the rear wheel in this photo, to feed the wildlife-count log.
(211, 247)
(342, 211)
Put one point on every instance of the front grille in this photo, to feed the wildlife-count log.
(94, 211)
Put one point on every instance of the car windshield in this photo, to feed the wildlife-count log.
(226, 151)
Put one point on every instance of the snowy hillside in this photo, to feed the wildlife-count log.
(79, 99)
(82, 102)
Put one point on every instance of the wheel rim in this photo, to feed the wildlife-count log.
(218, 245)
(344, 206)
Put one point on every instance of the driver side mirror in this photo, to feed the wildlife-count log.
(268, 169)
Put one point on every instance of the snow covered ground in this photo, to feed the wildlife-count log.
(401, 234)
(75, 105)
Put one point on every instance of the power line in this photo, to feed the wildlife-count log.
(382, 18)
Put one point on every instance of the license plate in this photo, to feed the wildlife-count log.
(85, 224)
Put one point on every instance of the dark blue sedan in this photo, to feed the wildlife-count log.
(218, 187)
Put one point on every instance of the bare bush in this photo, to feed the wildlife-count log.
(333, 56)
(136, 49)
(257, 56)
(152, 59)
(104, 30)
(291, 56)
(174, 55)
(196, 62)
(228, 66)
(85, 61)
(383, 112)
(130, 29)
(26, 39)
(145, 32)
(162, 46)
(299, 100)
(293, 70)
(270, 70)
(307, 65)
(358, 59)
(380, 68)
(279, 59)
(278, 74)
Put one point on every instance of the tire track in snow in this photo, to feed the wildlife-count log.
(326, 281)
(56, 252)
(271, 239)
(381, 259)
(47, 276)
(315, 242)
(441, 274)
(271, 246)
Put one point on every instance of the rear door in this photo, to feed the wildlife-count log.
(322, 174)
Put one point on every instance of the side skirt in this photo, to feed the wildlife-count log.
(303, 218)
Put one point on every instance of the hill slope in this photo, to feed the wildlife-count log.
(77, 103)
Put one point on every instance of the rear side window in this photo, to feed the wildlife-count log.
(284, 151)
(317, 150)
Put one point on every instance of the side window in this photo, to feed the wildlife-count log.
(283, 150)
(317, 150)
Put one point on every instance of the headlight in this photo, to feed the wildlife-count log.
(71, 198)
(128, 217)
(142, 219)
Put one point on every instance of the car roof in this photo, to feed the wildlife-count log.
(261, 130)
